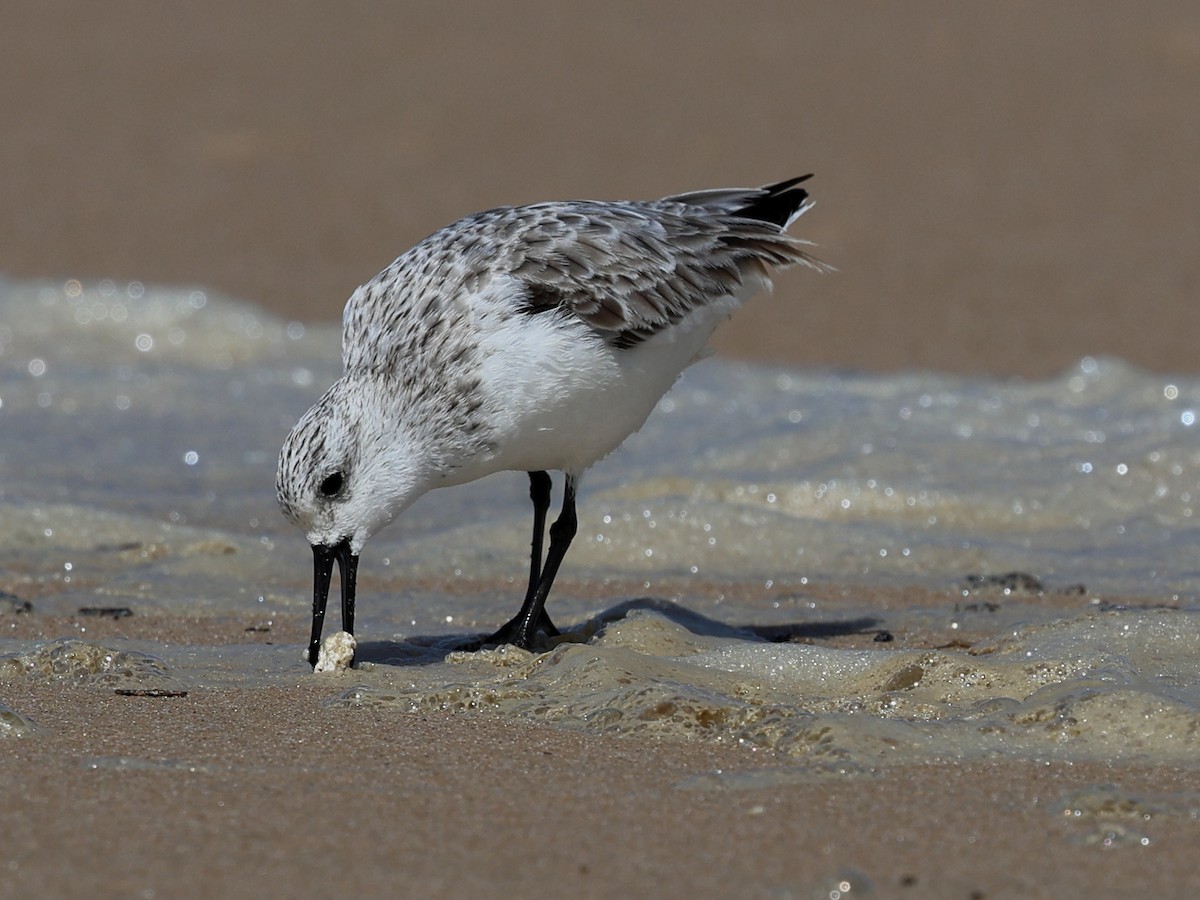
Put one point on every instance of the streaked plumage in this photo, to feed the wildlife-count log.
(522, 338)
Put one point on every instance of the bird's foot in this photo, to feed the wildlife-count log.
(513, 633)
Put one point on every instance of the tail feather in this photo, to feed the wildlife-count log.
(780, 204)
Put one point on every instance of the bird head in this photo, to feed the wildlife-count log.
(344, 472)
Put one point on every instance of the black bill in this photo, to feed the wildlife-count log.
(323, 557)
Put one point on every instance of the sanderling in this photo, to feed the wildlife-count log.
(528, 338)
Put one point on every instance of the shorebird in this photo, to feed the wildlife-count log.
(530, 338)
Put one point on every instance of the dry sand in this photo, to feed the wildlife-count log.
(1005, 188)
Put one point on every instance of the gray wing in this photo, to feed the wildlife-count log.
(630, 270)
(627, 269)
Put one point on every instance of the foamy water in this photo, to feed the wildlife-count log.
(138, 436)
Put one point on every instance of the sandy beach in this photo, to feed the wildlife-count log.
(232, 793)
(1003, 189)
(307, 803)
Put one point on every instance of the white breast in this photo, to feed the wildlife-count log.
(567, 398)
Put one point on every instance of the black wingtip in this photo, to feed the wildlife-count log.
(784, 185)
(777, 203)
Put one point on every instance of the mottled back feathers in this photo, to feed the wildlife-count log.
(627, 269)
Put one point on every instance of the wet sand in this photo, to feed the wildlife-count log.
(290, 799)
(230, 792)
(1004, 189)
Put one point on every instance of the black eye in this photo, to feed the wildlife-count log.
(332, 485)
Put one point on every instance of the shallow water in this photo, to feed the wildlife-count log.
(734, 558)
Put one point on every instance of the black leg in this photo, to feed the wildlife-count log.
(539, 493)
(523, 627)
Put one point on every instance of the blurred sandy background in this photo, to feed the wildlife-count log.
(1004, 187)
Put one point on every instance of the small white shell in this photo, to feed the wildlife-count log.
(337, 652)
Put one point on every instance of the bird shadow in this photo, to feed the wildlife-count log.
(419, 650)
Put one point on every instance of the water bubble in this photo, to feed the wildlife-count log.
(191, 458)
(143, 342)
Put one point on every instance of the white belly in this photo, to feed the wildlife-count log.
(569, 399)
